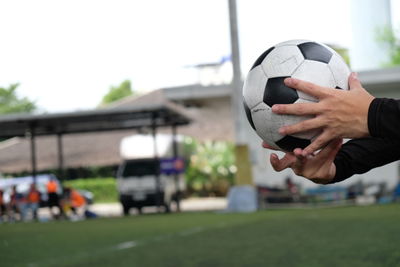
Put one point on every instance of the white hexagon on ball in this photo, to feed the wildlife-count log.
(282, 61)
(253, 88)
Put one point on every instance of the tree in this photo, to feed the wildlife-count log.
(118, 92)
(11, 103)
(386, 36)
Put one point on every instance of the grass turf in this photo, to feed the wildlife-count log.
(350, 236)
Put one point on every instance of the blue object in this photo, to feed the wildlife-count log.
(172, 166)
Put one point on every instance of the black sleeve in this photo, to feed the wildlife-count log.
(361, 155)
(384, 118)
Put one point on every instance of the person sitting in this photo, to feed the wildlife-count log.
(53, 198)
(3, 209)
(17, 204)
(73, 201)
(33, 201)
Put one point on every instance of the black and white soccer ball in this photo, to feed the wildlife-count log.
(302, 59)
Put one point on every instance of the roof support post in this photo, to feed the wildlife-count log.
(60, 156)
(157, 161)
(33, 152)
(176, 175)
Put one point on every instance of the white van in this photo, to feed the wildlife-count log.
(137, 175)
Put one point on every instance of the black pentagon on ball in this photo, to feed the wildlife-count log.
(289, 143)
(261, 58)
(276, 92)
(248, 115)
(316, 52)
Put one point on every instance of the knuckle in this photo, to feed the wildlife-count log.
(329, 93)
(300, 109)
(333, 132)
(325, 108)
(319, 142)
(311, 86)
(307, 124)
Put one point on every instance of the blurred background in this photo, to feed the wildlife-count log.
(70, 59)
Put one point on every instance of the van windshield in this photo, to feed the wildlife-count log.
(140, 168)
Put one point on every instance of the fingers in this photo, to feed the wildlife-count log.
(329, 152)
(354, 82)
(297, 109)
(265, 145)
(298, 153)
(337, 144)
(281, 164)
(302, 126)
(306, 87)
(318, 143)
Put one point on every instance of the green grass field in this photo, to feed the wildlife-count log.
(347, 236)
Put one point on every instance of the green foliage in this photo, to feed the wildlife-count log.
(386, 36)
(211, 168)
(103, 189)
(11, 103)
(118, 92)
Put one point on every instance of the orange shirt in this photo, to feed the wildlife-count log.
(52, 187)
(33, 197)
(77, 199)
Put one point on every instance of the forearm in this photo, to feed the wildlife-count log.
(384, 118)
(361, 155)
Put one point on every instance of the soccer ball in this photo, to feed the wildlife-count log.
(302, 59)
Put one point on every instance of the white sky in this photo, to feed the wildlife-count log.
(66, 54)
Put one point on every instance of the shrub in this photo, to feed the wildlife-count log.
(103, 189)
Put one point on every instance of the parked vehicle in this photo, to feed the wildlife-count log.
(148, 179)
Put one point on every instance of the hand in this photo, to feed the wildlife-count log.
(318, 168)
(339, 113)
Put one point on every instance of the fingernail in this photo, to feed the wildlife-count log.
(282, 130)
(354, 75)
(288, 81)
(275, 108)
(304, 153)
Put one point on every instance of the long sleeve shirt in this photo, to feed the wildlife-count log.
(361, 155)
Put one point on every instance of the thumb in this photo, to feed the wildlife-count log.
(354, 82)
(337, 144)
(328, 153)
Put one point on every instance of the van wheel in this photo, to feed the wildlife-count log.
(167, 207)
(126, 209)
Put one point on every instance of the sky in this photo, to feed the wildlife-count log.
(67, 54)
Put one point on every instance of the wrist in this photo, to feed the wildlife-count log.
(365, 116)
(372, 121)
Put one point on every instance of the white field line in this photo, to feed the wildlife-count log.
(132, 244)
(126, 245)
(192, 231)
(122, 246)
